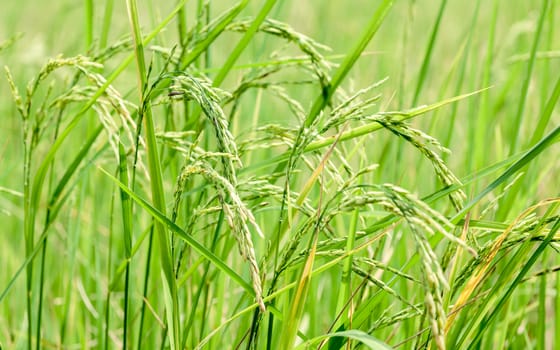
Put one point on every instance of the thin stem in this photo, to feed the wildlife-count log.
(154, 168)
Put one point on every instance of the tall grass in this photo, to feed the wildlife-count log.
(207, 175)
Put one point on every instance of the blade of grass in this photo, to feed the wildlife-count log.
(126, 209)
(204, 282)
(362, 130)
(556, 305)
(292, 321)
(171, 299)
(214, 34)
(52, 213)
(505, 275)
(56, 196)
(283, 62)
(545, 84)
(518, 120)
(346, 290)
(484, 114)
(458, 86)
(182, 25)
(198, 247)
(331, 263)
(146, 275)
(372, 27)
(240, 47)
(544, 120)
(58, 199)
(364, 338)
(542, 314)
(542, 145)
(345, 295)
(526, 267)
(108, 292)
(107, 16)
(88, 23)
(39, 178)
(432, 198)
(242, 44)
(429, 51)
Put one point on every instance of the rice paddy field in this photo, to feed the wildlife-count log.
(367, 174)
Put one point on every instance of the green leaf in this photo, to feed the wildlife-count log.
(364, 338)
(222, 266)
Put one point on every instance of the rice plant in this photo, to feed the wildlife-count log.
(282, 175)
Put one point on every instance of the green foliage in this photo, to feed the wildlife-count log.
(227, 182)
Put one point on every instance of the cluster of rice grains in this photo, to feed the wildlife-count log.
(233, 193)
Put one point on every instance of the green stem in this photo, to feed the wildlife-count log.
(158, 197)
(247, 37)
(428, 54)
(525, 87)
(107, 16)
(373, 25)
(89, 24)
(127, 238)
